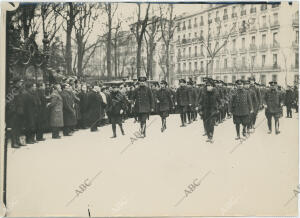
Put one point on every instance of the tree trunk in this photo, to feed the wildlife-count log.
(167, 64)
(108, 53)
(68, 55)
(116, 57)
(138, 57)
(80, 59)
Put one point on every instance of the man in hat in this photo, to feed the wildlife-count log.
(241, 107)
(117, 108)
(94, 108)
(164, 103)
(273, 100)
(209, 108)
(255, 105)
(183, 100)
(288, 101)
(143, 103)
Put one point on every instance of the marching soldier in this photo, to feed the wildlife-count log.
(255, 105)
(288, 101)
(165, 103)
(209, 108)
(183, 100)
(241, 107)
(273, 100)
(143, 103)
(117, 108)
(258, 103)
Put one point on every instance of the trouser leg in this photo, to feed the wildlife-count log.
(237, 128)
(113, 125)
(269, 118)
(121, 128)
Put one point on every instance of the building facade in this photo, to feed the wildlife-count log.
(236, 41)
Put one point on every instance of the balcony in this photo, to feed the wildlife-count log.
(243, 50)
(252, 48)
(224, 51)
(194, 39)
(252, 10)
(295, 44)
(225, 17)
(233, 51)
(253, 29)
(263, 47)
(275, 46)
(185, 41)
(275, 24)
(296, 22)
(243, 12)
(233, 15)
(243, 30)
(263, 27)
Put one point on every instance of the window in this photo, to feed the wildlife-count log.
(195, 34)
(190, 24)
(242, 77)
(253, 40)
(178, 38)
(234, 62)
(184, 52)
(202, 66)
(201, 50)
(190, 35)
(195, 65)
(252, 60)
(275, 60)
(225, 63)
(274, 78)
(190, 52)
(195, 22)
(179, 69)
(263, 79)
(233, 9)
(264, 20)
(243, 42)
(233, 79)
(297, 36)
(217, 64)
(225, 11)
(183, 25)
(263, 60)
(190, 66)
(184, 66)
(225, 79)
(201, 20)
(296, 60)
(264, 39)
(275, 17)
(233, 44)
(243, 61)
(201, 34)
(196, 51)
(274, 38)
(179, 52)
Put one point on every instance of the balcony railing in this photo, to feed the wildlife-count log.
(275, 24)
(263, 47)
(233, 51)
(243, 50)
(243, 13)
(252, 48)
(233, 15)
(225, 17)
(295, 44)
(275, 45)
(252, 10)
(263, 27)
(296, 22)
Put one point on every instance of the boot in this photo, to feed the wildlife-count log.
(122, 130)
(114, 131)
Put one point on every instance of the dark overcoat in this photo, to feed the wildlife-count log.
(164, 97)
(143, 100)
(241, 104)
(56, 110)
(68, 108)
(183, 96)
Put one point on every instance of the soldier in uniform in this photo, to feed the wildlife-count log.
(31, 104)
(209, 108)
(143, 103)
(241, 107)
(183, 100)
(117, 108)
(273, 99)
(255, 105)
(165, 103)
(42, 112)
(288, 101)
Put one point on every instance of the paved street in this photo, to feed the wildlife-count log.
(127, 176)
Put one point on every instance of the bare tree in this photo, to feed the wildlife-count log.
(151, 40)
(83, 26)
(168, 26)
(138, 29)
